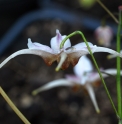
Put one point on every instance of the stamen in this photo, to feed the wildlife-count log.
(63, 58)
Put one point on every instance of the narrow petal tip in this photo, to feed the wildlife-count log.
(35, 92)
(57, 69)
(29, 40)
(57, 31)
(98, 111)
(110, 56)
(29, 44)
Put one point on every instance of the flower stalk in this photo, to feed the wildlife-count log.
(118, 79)
(108, 11)
(106, 89)
(15, 109)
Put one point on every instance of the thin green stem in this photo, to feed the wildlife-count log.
(11, 104)
(106, 89)
(118, 79)
(106, 9)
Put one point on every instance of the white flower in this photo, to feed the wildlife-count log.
(68, 54)
(104, 35)
(84, 76)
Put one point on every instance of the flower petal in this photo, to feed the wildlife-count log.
(38, 46)
(48, 57)
(83, 66)
(113, 56)
(67, 44)
(81, 49)
(56, 41)
(82, 45)
(63, 57)
(107, 50)
(73, 78)
(75, 52)
(94, 76)
(110, 71)
(53, 84)
(92, 96)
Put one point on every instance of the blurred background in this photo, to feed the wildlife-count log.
(38, 20)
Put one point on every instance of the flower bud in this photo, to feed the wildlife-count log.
(104, 35)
